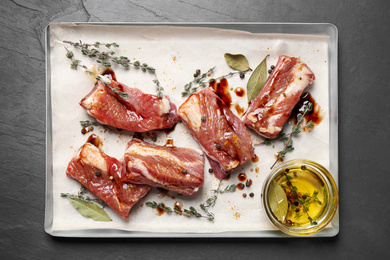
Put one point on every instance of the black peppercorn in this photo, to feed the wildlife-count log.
(203, 118)
(303, 167)
(269, 71)
(242, 75)
(98, 173)
(184, 171)
(218, 146)
(287, 170)
(296, 203)
(272, 67)
(210, 170)
(83, 131)
(251, 194)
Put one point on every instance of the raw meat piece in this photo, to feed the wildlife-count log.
(271, 108)
(221, 134)
(138, 112)
(172, 168)
(93, 169)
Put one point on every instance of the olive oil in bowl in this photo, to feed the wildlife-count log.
(300, 197)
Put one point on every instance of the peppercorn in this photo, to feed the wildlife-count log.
(269, 71)
(210, 170)
(272, 67)
(218, 146)
(244, 195)
(203, 118)
(84, 131)
(287, 170)
(197, 71)
(248, 183)
(296, 203)
(303, 167)
(242, 75)
(184, 171)
(98, 173)
(251, 194)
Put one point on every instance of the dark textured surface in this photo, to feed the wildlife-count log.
(364, 58)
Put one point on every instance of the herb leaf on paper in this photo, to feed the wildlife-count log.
(257, 80)
(237, 62)
(88, 206)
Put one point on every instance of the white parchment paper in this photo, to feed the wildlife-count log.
(175, 53)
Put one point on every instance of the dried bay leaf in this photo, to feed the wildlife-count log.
(237, 62)
(89, 209)
(277, 200)
(257, 80)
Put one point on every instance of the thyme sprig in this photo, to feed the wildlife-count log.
(191, 212)
(81, 195)
(77, 63)
(287, 138)
(300, 200)
(106, 57)
(210, 202)
(199, 82)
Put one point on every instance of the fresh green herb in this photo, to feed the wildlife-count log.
(277, 200)
(191, 212)
(193, 86)
(237, 62)
(299, 202)
(257, 80)
(210, 202)
(120, 93)
(88, 206)
(287, 139)
(106, 57)
(198, 81)
(229, 188)
(87, 123)
(77, 63)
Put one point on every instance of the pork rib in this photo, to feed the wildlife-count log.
(138, 112)
(172, 168)
(271, 108)
(221, 134)
(93, 169)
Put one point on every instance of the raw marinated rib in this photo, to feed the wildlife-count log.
(92, 168)
(221, 134)
(172, 168)
(271, 108)
(139, 112)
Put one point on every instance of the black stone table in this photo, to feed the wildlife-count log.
(364, 92)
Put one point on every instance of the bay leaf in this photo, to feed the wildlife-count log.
(257, 80)
(277, 200)
(237, 61)
(90, 209)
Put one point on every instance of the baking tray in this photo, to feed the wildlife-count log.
(328, 30)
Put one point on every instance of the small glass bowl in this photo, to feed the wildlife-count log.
(315, 173)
